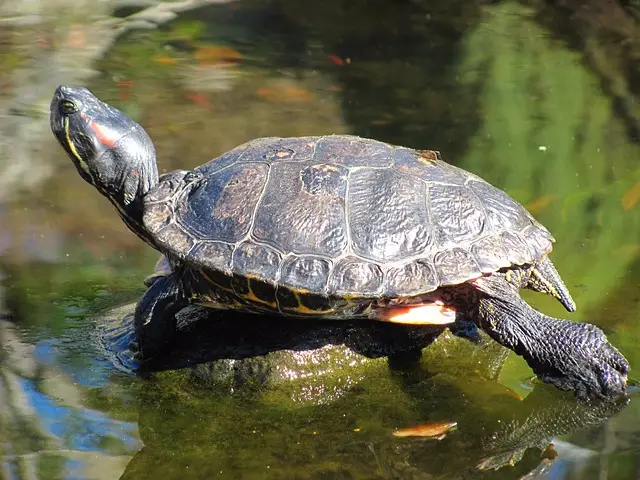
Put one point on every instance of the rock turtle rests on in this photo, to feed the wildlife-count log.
(335, 227)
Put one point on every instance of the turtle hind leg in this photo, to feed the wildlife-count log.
(544, 278)
(155, 316)
(570, 355)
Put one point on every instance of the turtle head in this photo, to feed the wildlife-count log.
(110, 151)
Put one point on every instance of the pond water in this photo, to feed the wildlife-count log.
(537, 100)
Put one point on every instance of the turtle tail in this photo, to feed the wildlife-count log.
(544, 278)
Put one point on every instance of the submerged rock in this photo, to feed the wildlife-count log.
(315, 359)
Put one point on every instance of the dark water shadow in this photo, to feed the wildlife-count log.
(394, 64)
(206, 335)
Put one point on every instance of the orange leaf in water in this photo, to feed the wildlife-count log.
(298, 95)
(264, 92)
(540, 204)
(214, 54)
(514, 394)
(436, 431)
(631, 198)
(164, 60)
(199, 99)
(336, 60)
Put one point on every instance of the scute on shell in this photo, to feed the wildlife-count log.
(341, 216)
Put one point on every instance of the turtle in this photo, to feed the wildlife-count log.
(335, 227)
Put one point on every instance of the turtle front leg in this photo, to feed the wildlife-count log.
(155, 316)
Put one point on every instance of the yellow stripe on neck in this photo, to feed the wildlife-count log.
(131, 223)
(75, 153)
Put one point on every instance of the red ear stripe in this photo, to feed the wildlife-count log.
(103, 134)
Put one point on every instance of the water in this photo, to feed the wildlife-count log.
(538, 102)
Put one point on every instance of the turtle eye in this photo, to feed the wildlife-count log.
(68, 107)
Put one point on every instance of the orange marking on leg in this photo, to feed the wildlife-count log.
(428, 314)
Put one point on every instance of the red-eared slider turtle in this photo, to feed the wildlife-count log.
(335, 227)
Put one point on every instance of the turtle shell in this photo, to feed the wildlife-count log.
(339, 216)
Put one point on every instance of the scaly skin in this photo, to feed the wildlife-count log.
(570, 355)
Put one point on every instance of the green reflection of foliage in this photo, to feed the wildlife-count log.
(9, 61)
(550, 132)
(151, 56)
(51, 466)
(55, 301)
(137, 58)
(55, 294)
(550, 137)
(186, 30)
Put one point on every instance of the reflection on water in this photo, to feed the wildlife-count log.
(539, 101)
(50, 429)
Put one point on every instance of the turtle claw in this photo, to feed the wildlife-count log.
(601, 370)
